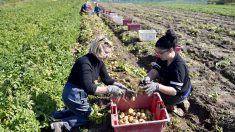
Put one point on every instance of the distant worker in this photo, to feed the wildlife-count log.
(89, 7)
(97, 9)
(84, 8)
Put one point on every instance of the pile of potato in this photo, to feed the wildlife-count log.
(134, 116)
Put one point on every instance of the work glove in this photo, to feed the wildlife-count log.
(115, 90)
(128, 92)
(145, 80)
(119, 85)
(151, 87)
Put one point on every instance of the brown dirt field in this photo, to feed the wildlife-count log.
(208, 51)
(209, 54)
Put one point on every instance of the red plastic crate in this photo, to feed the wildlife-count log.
(107, 12)
(178, 48)
(104, 11)
(127, 21)
(111, 12)
(153, 103)
(133, 26)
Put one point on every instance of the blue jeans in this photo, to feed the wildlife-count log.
(76, 101)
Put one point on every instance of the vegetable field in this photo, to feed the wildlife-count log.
(41, 39)
(35, 40)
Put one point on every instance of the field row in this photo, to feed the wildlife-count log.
(224, 10)
(35, 60)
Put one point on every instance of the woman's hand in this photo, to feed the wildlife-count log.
(115, 90)
(128, 92)
(145, 80)
(151, 87)
(119, 85)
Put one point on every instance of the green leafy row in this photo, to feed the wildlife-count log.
(36, 38)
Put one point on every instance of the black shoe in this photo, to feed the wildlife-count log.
(62, 114)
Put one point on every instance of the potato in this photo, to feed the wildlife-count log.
(120, 122)
(99, 114)
(142, 115)
(125, 118)
(134, 113)
(121, 115)
(133, 98)
(135, 116)
(127, 79)
(138, 114)
(141, 92)
(135, 121)
(145, 118)
(126, 122)
(131, 119)
(130, 111)
(141, 120)
(123, 80)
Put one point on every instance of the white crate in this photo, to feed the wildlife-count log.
(112, 14)
(147, 35)
(118, 20)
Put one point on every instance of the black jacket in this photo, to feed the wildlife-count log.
(86, 70)
(175, 75)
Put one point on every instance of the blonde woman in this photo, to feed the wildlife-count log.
(80, 84)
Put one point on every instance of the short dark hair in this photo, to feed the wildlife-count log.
(169, 40)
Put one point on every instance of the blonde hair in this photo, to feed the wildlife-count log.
(97, 46)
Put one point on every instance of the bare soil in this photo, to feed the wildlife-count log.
(209, 54)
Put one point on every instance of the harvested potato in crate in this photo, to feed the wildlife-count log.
(134, 116)
(145, 113)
